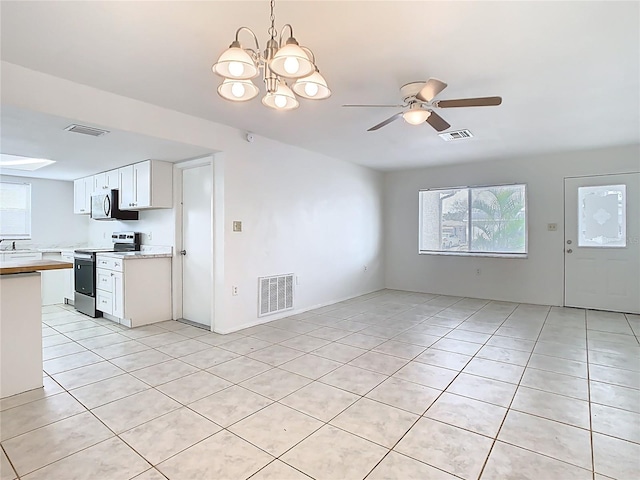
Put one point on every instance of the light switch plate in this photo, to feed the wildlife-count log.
(237, 226)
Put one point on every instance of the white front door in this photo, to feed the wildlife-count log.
(197, 264)
(602, 242)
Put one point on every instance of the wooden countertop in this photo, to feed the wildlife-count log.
(28, 266)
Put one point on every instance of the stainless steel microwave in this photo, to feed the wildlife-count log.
(104, 206)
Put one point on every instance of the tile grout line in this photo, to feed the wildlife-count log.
(593, 453)
(152, 387)
(304, 353)
(421, 416)
(495, 439)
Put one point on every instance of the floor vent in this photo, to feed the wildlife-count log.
(457, 135)
(275, 294)
(83, 129)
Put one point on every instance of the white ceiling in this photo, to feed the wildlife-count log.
(38, 135)
(568, 72)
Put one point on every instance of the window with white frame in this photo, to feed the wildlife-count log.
(483, 220)
(15, 211)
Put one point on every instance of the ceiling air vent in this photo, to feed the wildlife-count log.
(457, 135)
(83, 129)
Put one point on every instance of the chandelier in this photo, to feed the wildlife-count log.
(287, 70)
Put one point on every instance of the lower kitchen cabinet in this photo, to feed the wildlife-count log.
(134, 291)
(54, 282)
(68, 278)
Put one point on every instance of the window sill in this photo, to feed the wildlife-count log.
(476, 254)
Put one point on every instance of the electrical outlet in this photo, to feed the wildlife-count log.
(237, 226)
(297, 279)
(478, 271)
(552, 227)
(365, 268)
(234, 290)
(149, 236)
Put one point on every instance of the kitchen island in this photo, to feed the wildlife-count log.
(21, 324)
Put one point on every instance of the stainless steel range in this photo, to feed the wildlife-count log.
(85, 270)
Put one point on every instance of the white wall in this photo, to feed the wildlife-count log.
(302, 212)
(53, 223)
(537, 279)
(158, 223)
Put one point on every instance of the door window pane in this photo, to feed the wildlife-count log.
(602, 216)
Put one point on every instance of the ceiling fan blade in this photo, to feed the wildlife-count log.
(470, 102)
(437, 122)
(432, 88)
(386, 122)
(375, 106)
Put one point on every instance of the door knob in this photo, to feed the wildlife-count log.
(569, 251)
(183, 252)
(569, 242)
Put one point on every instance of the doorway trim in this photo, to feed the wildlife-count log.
(216, 161)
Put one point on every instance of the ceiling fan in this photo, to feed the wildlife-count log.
(419, 104)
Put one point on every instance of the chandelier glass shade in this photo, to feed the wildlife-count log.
(237, 90)
(313, 87)
(279, 62)
(236, 63)
(291, 61)
(282, 99)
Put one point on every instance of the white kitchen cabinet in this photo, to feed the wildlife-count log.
(117, 295)
(20, 255)
(68, 278)
(106, 180)
(147, 184)
(134, 292)
(54, 281)
(82, 190)
(127, 187)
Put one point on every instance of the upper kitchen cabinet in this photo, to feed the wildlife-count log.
(82, 190)
(106, 180)
(146, 184)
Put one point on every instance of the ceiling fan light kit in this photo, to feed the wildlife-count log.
(419, 105)
(278, 63)
(416, 115)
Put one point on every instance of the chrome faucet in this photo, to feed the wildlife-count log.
(13, 245)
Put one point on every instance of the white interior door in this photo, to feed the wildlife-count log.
(602, 242)
(197, 265)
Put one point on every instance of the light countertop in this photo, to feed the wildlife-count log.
(135, 255)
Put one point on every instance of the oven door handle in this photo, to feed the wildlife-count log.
(83, 256)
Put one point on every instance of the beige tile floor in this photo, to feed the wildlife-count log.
(391, 385)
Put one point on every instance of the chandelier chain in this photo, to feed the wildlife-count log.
(272, 29)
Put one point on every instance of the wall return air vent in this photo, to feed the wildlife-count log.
(457, 135)
(275, 294)
(83, 129)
